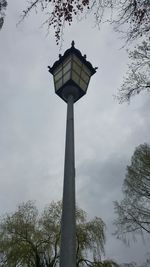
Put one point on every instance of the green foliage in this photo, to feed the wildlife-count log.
(90, 238)
(28, 238)
(133, 212)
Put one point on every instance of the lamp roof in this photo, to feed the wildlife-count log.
(72, 50)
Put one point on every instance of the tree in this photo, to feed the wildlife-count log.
(146, 263)
(138, 75)
(59, 12)
(134, 13)
(133, 212)
(3, 5)
(28, 238)
(135, 16)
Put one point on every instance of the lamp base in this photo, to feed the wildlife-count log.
(70, 89)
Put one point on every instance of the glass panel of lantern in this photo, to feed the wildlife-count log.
(75, 77)
(83, 85)
(66, 77)
(85, 76)
(58, 84)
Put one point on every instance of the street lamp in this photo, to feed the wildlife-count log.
(71, 73)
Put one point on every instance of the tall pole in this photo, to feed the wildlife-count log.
(68, 236)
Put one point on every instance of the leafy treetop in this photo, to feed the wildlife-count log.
(28, 238)
(133, 212)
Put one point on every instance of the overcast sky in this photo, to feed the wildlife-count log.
(33, 119)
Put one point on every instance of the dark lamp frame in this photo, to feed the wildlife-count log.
(71, 74)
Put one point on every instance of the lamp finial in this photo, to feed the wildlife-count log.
(72, 43)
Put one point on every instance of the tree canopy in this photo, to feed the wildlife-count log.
(138, 75)
(133, 212)
(133, 14)
(29, 238)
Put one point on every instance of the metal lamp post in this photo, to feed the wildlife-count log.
(71, 74)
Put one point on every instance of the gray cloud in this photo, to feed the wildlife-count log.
(32, 135)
